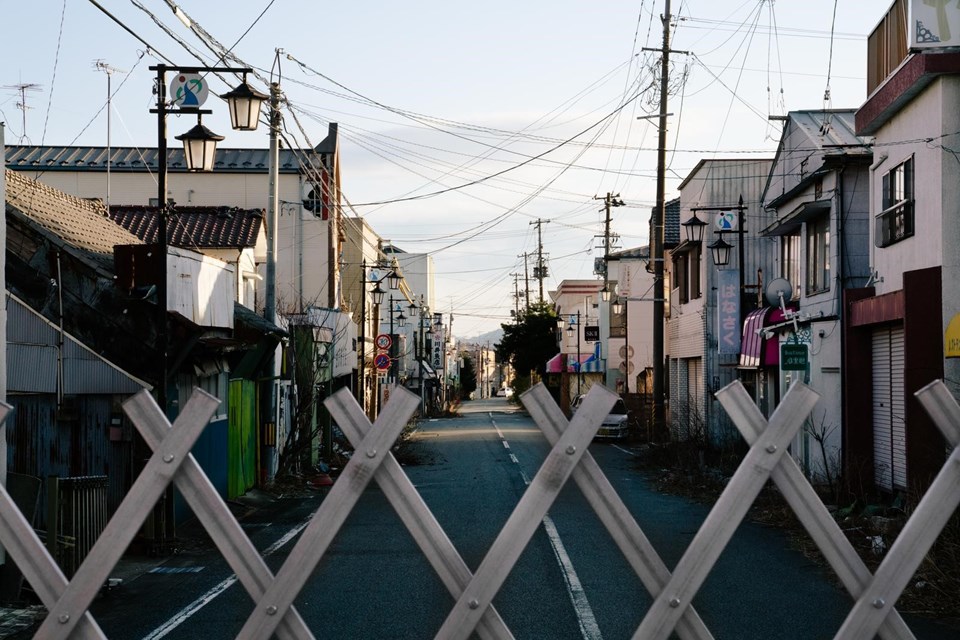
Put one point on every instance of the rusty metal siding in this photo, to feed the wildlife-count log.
(40, 445)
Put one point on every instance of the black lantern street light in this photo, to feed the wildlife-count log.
(693, 228)
(199, 146)
(199, 151)
(570, 332)
(721, 251)
(721, 248)
(376, 294)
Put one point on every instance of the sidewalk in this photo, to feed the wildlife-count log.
(17, 620)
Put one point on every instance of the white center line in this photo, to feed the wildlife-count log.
(589, 628)
(184, 614)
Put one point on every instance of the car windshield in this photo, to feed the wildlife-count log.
(619, 408)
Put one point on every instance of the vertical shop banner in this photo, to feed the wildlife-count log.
(728, 311)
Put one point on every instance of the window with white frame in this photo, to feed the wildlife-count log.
(818, 254)
(895, 222)
(790, 260)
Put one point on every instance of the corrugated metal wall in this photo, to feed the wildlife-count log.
(78, 444)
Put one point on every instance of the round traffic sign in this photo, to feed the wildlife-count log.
(382, 361)
(384, 341)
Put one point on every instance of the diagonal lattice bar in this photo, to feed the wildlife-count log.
(527, 516)
(415, 515)
(810, 510)
(129, 516)
(921, 530)
(613, 513)
(32, 558)
(214, 515)
(726, 514)
(328, 519)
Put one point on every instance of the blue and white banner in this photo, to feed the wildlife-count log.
(728, 311)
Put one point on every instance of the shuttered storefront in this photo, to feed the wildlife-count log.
(889, 409)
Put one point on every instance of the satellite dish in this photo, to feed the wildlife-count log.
(776, 288)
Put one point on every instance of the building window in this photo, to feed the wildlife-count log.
(818, 255)
(686, 270)
(790, 260)
(895, 222)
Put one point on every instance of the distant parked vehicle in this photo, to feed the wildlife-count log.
(504, 392)
(617, 423)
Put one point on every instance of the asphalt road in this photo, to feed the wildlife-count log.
(570, 582)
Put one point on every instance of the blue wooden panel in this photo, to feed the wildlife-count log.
(210, 451)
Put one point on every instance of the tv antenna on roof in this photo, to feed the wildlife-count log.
(100, 65)
(23, 89)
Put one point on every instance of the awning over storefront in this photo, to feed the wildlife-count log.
(586, 363)
(555, 364)
(428, 372)
(756, 351)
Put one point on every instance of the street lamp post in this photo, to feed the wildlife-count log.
(721, 248)
(199, 146)
(577, 361)
(199, 149)
(393, 282)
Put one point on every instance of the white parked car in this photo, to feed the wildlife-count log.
(615, 425)
(504, 392)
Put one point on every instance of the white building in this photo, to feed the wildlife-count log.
(903, 327)
(708, 302)
(818, 198)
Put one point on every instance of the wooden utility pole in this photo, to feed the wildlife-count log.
(526, 278)
(540, 271)
(657, 228)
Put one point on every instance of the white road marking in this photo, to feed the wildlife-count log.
(589, 628)
(184, 614)
(626, 451)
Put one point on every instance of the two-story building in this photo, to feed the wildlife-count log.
(708, 301)
(817, 197)
(903, 324)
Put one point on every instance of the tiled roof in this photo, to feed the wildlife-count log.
(78, 222)
(189, 227)
(137, 160)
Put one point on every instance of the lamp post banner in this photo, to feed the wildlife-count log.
(728, 311)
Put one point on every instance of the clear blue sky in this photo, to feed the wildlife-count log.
(433, 95)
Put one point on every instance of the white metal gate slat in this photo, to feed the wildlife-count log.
(922, 528)
(872, 612)
(882, 445)
(129, 516)
(212, 512)
(417, 517)
(328, 519)
(728, 511)
(613, 513)
(810, 510)
(528, 514)
(32, 558)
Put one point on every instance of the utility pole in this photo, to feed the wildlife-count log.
(516, 296)
(270, 286)
(540, 271)
(526, 277)
(657, 228)
(609, 201)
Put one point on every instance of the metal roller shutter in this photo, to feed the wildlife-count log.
(889, 409)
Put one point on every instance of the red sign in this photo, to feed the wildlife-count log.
(382, 361)
(384, 341)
